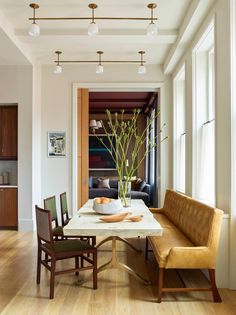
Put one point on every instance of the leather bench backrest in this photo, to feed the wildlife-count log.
(193, 218)
(173, 204)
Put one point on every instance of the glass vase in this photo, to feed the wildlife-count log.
(124, 193)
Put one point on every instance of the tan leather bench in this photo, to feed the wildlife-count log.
(191, 232)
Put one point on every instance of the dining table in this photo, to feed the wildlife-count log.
(88, 222)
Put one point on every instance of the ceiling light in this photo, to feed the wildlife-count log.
(141, 68)
(58, 67)
(93, 28)
(99, 68)
(152, 27)
(34, 28)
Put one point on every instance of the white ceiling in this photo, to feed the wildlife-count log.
(118, 39)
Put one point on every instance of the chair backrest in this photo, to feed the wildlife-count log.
(50, 204)
(64, 208)
(44, 226)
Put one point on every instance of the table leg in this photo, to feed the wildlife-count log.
(138, 250)
(114, 263)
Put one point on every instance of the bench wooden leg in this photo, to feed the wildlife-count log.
(160, 284)
(77, 265)
(215, 293)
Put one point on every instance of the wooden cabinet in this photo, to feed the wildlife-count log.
(8, 132)
(8, 208)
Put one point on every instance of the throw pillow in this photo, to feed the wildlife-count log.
(140, 185)
(134, 183)
(103, 183)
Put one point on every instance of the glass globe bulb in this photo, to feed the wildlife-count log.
(92, 29)
(34, 30)
(141, 69)
(57, 69)
(99, 69)
(152, 29)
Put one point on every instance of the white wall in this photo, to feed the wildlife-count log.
(57, 113)
(221, 13)
(16, 87)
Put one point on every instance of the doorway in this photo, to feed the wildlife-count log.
(81, 125)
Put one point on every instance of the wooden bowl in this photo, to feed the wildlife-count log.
(113, 206)
(136, 218)
(115, 217)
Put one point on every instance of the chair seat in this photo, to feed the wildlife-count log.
(68, 246)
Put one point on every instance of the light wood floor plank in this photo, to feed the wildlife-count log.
(117, 293)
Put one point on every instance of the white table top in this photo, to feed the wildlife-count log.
(86, 222)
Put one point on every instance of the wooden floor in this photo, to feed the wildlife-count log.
(118, 293)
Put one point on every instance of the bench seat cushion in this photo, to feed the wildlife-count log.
(171, 237)
(163, 220)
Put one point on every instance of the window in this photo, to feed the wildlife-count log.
(179, 131)
(204, 119)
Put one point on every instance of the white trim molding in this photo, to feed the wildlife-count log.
(104, 86)
(232, 262)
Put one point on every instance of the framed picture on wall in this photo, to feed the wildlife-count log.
(56, 144)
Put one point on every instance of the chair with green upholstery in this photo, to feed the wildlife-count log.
(50, 204)
(65, 219)
(60, 250)
(64, 209)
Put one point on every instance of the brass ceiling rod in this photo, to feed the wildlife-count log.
(93, 6)
(103, 61)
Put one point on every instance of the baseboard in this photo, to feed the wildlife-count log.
(26, 225)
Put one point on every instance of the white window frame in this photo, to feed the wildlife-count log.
(179, 136)
(203, 117)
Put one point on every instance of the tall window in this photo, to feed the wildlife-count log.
(204, 119)
(179, 131)
(152, 157)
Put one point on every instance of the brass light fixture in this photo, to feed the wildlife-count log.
(58, 67)
(99, 68)
(152, 27)
(93, 27)
(34, 29)
(141, 68)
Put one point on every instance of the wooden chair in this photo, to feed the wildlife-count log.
(59, 250)
(50, 204)
(65, 219)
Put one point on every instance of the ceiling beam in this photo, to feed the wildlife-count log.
(191, 22)
(150, 102)
(164, 36)
(8, 29)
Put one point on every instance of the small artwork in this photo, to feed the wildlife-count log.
(56, 144)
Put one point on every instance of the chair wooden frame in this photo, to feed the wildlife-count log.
(45, 237)
(64, 212)
(54, 218)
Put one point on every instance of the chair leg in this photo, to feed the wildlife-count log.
(77, 265)
(160, 284)
(146, 249)
(93, 241)
(215, 293)
(95, 270)
(39, 265)
(52, 277)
